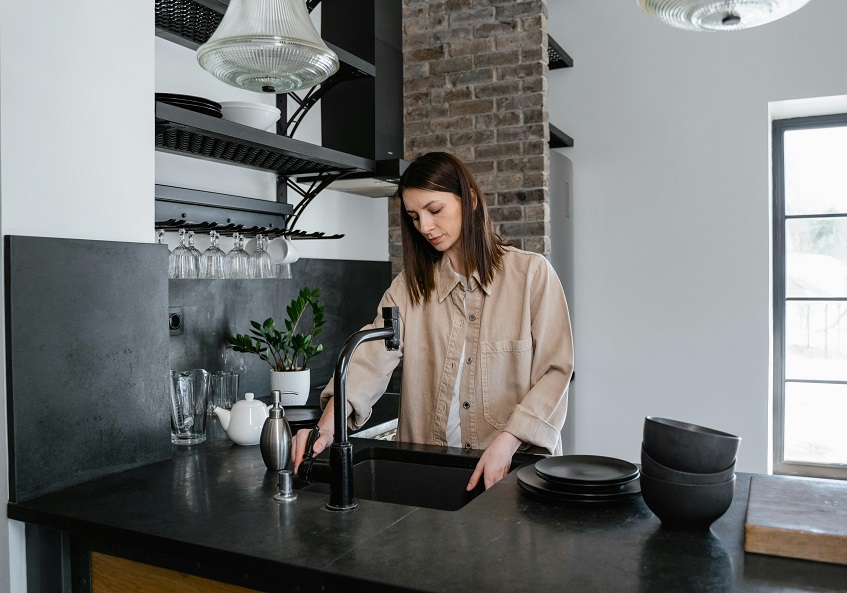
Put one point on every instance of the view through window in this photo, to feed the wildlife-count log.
(810, 296)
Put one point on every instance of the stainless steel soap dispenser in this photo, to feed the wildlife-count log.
(275, 442)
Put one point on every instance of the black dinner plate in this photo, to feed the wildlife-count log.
(531, 482)
(586, 469)
(196, 107)
(171, 97)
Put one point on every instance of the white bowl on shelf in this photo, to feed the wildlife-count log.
(255, 115)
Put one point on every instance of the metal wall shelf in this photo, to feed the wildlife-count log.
(202, 136)
(179, 208)
(558, 58)
(558, 139)
(190, 23)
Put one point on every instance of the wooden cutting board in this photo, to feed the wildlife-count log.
(797, 518)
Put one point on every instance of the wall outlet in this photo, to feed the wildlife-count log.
(176, 320)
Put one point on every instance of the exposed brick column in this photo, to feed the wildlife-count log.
(475, 84)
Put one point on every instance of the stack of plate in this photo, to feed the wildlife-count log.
(198, 104)
(581, 478)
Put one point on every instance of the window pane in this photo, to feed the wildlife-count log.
(816, 257)
(815, 175)
(814, 423)
(816, 340)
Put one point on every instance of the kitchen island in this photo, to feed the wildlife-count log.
(209, 511)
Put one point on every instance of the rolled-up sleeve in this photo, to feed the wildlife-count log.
(539, 417)
(372, 364)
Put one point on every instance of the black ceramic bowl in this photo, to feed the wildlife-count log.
(654, 469)
(688, 447)
(687, 506)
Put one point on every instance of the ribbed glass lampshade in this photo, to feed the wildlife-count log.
(267, 46)
(719, 15)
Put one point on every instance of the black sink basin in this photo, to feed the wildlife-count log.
(414, 478)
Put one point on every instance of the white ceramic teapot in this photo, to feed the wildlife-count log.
(243, 424)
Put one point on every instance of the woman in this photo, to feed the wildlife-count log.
(485, 335)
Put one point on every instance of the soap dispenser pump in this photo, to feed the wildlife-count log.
(275, 442)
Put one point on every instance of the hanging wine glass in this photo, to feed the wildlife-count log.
(260, 262)
(181, 262)
(193, 249)
(213, 260)
(238, 260)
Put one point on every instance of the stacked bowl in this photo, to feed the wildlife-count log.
(687, 472)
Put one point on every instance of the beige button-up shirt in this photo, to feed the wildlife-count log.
(518, 357)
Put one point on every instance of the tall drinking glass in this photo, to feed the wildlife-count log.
(189, 400)
(224, 390)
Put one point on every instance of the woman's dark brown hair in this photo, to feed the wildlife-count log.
(483, 249)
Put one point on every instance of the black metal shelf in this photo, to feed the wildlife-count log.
(181, 208)
(190, 23)
(557, 57)
(558, 139)
(189, 133)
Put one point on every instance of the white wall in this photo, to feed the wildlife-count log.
(76, 156)
(672, 211)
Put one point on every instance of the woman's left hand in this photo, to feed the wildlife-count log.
(494, 463)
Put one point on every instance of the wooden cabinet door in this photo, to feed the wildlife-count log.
(110, 574)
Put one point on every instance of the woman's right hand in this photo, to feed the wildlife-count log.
(299, 441)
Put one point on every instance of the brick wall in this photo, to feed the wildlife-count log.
(475, 84)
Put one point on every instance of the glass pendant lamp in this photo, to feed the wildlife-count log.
(268, 46)
(719, 15)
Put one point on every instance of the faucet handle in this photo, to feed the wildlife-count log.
(391, 319)
(314, 434)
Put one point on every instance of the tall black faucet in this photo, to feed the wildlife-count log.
(341, 451)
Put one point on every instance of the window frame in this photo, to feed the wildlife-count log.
(780, 465)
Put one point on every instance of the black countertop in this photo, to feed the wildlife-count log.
(210, 511)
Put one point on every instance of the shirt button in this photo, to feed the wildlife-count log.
(470, 359)
(466, 405)
(472, 317)
(468, 446)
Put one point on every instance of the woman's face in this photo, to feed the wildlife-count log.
(437, 215)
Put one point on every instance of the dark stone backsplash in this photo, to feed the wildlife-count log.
(86, 361)
(214, 309)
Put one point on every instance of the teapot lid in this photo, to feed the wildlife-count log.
(248, 402)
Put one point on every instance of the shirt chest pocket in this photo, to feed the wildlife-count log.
(506, 369)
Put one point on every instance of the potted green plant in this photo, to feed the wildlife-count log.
(287, 352)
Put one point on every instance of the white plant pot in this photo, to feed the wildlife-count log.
(293, 386)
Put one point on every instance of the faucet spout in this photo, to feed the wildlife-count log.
(341, 451)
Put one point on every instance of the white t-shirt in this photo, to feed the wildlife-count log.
(454, 427)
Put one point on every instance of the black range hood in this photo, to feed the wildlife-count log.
(365, 117)
(378, 184)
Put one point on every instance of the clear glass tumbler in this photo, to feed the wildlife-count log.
(189, 401)
(224, 390)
